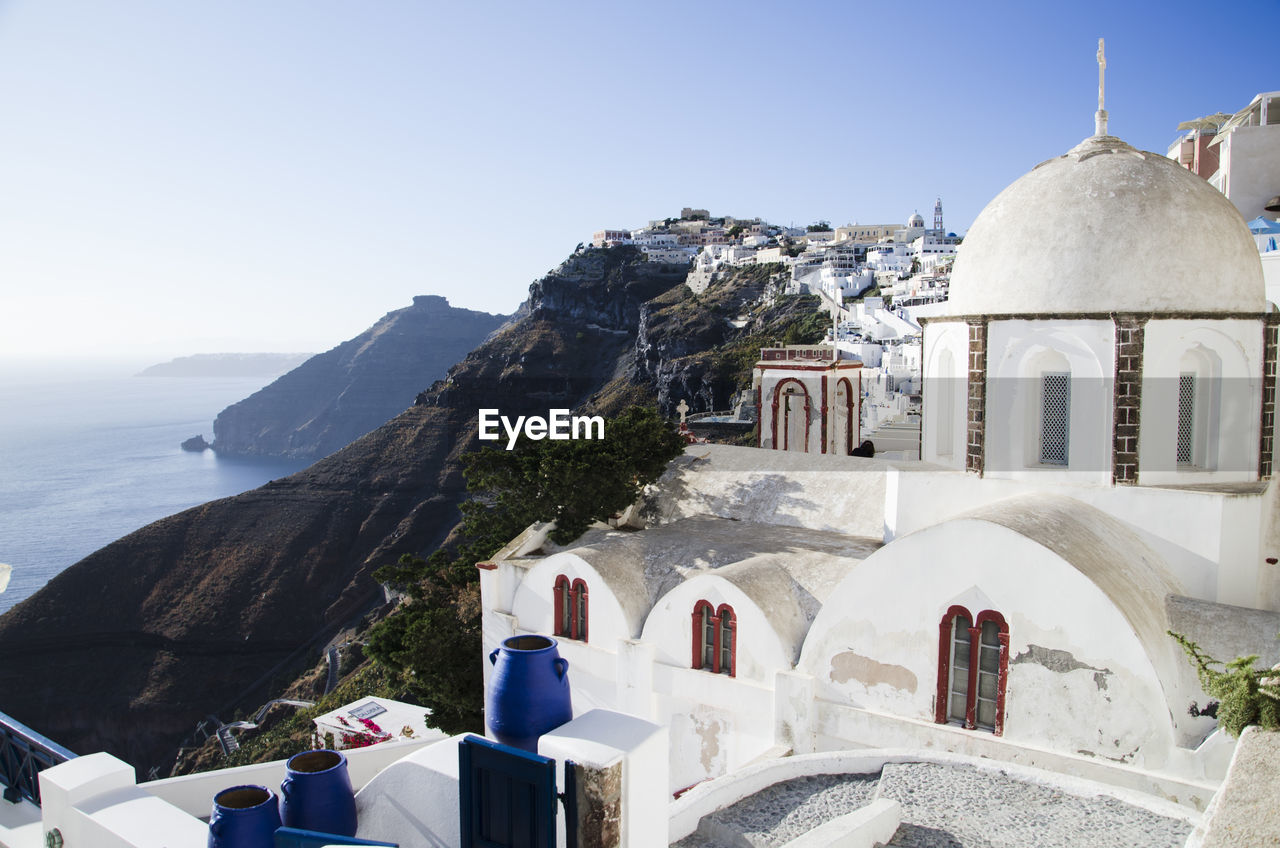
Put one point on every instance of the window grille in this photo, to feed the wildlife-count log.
(1055, 417)
(959, 687)
(988, 674)
(1186, 418)
(727, 653)
(708, 638)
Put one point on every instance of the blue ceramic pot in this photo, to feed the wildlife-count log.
(316, 794)
(244, 817)
(529, 691)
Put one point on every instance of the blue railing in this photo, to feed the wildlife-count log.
(23, 755)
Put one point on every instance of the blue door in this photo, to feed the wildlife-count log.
(507, 797)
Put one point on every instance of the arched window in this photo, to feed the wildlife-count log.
(1198, 400)
(973, 668)
(715, 638)
(570, 608)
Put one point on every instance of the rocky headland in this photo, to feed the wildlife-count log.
(209, 610)
(334, 398)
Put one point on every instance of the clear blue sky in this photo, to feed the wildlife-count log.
(266, 175)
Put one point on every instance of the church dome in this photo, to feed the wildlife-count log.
(1107, 228)
(915, 221)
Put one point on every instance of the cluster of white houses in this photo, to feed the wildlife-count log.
(1096, 464)
(841, 262)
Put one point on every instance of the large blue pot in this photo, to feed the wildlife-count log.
(316, 793)
(528, 692)
(244, 817)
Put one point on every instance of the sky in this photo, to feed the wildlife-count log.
(276, 175)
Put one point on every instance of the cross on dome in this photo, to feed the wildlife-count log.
(1101, 117)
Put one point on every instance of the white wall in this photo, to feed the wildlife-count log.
(946, 393)
(875, 644)
(1018, 352)
(1230, 395)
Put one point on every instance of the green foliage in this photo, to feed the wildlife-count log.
(293, 734)
(433, 641)
(818, 227)
(1247, 695)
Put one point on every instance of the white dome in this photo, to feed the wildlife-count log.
(1107, 228)
(915, 221)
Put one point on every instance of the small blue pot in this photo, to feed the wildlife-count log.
(244, 817)
(316, 794)
(529, 691)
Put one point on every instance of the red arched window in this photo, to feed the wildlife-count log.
(715, 638)
(973, 669)
(570, 608)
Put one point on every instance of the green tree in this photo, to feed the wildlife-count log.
(433, 640)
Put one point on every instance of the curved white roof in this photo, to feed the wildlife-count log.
(1107, 228)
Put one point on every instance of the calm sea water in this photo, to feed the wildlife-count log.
(91, 453)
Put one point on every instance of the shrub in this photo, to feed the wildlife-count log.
(1246, 695)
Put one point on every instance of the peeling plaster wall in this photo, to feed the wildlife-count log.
(1098, 694)
(717, 724)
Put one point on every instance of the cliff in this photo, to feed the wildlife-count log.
(334, 398)
(126, 650)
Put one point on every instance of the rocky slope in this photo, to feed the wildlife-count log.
(195, 614)
(336, 397)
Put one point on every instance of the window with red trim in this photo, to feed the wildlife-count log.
(715, 638)
(973, 669)
(570, 608)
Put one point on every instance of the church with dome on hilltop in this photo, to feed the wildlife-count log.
(1096, 470)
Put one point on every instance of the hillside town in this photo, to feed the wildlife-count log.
(1046, 496)
(879, 282)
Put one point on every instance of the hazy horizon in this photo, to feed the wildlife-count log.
(245, 177)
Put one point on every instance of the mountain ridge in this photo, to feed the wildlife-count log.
(337, 396)
(188, 615)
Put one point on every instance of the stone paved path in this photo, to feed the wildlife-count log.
(943, 806)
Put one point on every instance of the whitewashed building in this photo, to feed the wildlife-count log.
(1098, 451)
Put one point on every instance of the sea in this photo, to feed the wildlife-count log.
(90, 452)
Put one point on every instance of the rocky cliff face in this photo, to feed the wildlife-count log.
(126, 650)
(336, 397)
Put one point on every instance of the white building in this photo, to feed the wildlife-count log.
(890, 258)
(1249, 155)
(1098, 435)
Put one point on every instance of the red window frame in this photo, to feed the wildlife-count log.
(724, 623)
(943, 694)
(571, 608)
